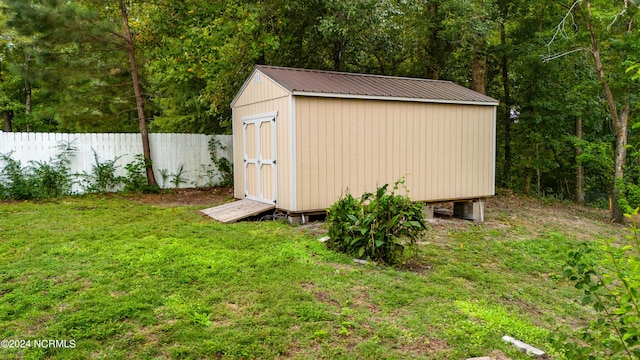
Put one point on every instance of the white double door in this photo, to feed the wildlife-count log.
(260, 150)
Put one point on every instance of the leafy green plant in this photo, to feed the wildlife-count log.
(136, 178)
(628, 195)
(17, 184)
(164, 174)
(608, 275)
(102, 177)
(223, 166)
(54, 178)
(39, 180)
(177, 178)
(202, 318)
(377, 227)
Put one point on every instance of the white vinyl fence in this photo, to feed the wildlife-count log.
(168, 152)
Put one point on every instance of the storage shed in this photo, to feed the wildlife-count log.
(303, 138)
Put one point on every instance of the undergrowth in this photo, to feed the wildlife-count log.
(607, 272)
(38, 180)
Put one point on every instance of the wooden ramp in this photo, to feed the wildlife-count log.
(237, 210)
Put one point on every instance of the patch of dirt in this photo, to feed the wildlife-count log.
(190, 196)
(362, 299)
(320, 296)
(524, 217)
(537, 217)
(316, 228)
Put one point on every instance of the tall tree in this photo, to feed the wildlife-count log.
(471, 25)
(12, 77)
(606, 30)
(84, 23)
(607, 33)
(130, 48)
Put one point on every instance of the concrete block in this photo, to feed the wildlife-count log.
(295, 219)
(298, 218)
(524, 347)
(470, 210)
(428, 211)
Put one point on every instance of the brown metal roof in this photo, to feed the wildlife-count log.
(340, 84)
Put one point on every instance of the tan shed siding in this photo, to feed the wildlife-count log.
(445, 152)
(281, 106)
(263, 90)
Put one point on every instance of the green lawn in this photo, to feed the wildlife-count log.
(126, 280)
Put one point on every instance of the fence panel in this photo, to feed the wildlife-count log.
(168, 153)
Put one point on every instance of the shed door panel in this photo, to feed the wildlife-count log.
(260, 170)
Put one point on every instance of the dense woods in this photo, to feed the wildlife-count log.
(565, 72)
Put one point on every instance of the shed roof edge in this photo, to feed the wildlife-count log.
(389, 98)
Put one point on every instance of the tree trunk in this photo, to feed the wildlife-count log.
(528, 173)
(142, 120)
(620, 157)
(478, 69)
(27, 85)
(337, 56)
(620, 121)
(507, 111)
(434, 68)
(579, 193)
(539, 182)
(8, 120)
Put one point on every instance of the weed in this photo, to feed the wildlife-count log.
(17, 183)
(39, 180)
(177, 178)
(320, 334)
(103, 176)
(202, 319)
(136, 179)
(164, 173)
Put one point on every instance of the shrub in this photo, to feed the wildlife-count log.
(376, 227)
(39, 180)
(136, 179)
(608, 275)
(102, 177)
(16, 180)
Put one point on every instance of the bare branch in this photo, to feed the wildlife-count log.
(551, 57)
(626, 5)
(560, 29)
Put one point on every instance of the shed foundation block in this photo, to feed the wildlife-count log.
(427, 210)
(470, 210)
(296, 219)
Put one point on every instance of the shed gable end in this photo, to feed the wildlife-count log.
(258, 88)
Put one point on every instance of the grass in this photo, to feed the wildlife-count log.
(126, 280)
